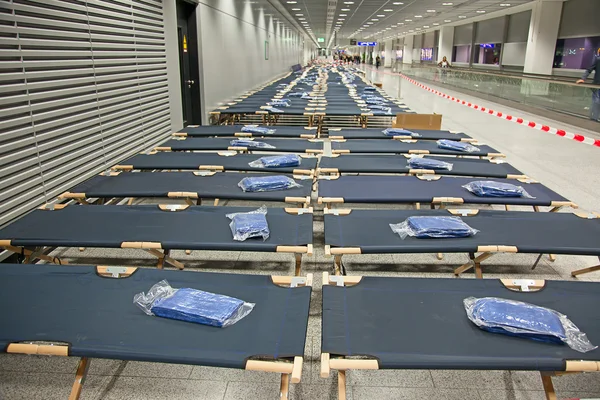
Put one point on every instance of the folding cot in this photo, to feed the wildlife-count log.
(210, 162)
(236, 131)
(88, 312)
(405, 147)
(309, 146)
(430, 189)
(398, 164)
(157, 229)
(184, 185)
(364, 328)
(368, 232)
(373, 133)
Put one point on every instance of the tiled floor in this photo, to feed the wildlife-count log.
(564, 165)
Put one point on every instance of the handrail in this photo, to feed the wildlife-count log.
(583, 85)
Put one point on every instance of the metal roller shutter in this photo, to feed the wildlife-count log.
(83, 85)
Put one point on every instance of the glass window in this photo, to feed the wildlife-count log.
(461, 54)
(487, 53)
(576, 53)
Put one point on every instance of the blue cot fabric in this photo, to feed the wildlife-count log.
(399, 132)
(526, 320)
(197, 306)
(249, 225)
(259, 130)
(288, 160)
(439, 227)
(494, 189)
(429, 163)
(251, 143)
(267, 183)
(457, 146)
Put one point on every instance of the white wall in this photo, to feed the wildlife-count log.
(232, 50)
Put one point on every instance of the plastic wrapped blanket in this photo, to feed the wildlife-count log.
(297, 94)
(192, 305)
(496, 189)
(280, 103)
(286, 160)
(267, 183)
(255, 144)
(273, 109)
(400, 132)
(516, 318)
(429, 163)
(422, 227)
(259, 130)
(249, 225)
(386, 110)
(375, 102)
(456, 146)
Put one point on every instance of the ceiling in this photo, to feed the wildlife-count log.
(385, 19)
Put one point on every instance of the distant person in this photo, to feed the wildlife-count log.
(377, 62)
(496, 61)
(595, 109)
(444, 63)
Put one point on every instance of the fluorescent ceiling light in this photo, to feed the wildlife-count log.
(345, 9)
(435, 24)
(381, 15)
(296, 9)
(374, 19)
(430, 11)
(299, 15)
(447, 20)
(397, 3)
(388, 10)
(480, 11)
(418, 16)
(447, 4)
(343, 15)
(348, 2)
(504, 5)
(408, 20)
(292, 2)
(425, 26)
(462, 16)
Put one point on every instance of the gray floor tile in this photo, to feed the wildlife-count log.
(505, 380)
(137, 388)
(395, 393)
(512, 395)
(317, 392)
(252, 390)
(396, 378)
(45, 386)
(233, 375)
(32, 363)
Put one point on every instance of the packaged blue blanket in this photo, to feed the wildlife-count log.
(280, 103)
(267, 183)
(496, 189)
(258, 130)
(400, 132)
(285, 160)
(274, 110)
(423, 227)
(516, 318)
(248, 225)
(249, 143)
(456, 146)
(429, 163)
(192, 305)
(297, 94)
(383, 109)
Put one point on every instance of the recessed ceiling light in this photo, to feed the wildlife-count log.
(408, 20)
(296, 9)
(348, 2)
(292, 2)
(425, 26)
(381, 15)
(418, 16)
(504, 5)
(393, 26)
(462, 16)
(343, 15)
(388, 10)
(397, 3)
(435, 24)
(387, 29)
(430, 11)
(374, 19)
(369, 23)
(447, 20)
(341, 19)
(400, 23)
(345, 9)
(480, 11)
(299, 15)
(447, 4)
(301, 19)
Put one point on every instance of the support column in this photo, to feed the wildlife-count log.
(543, 32)
(389, 54)
(446, 43)
(407, 57)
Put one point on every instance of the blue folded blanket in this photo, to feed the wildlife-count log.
(251, 143)
(286, 160)
(383, 109)
(399, 132)
(258, 130)
(496, 189)
(267, 183)
(422, 227)
(248, 225)
(429, 163)
(274, 110)
(516, 318)
(192, 305)
(456, 146)
(280, 103)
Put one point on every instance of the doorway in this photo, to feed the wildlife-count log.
(189, 74)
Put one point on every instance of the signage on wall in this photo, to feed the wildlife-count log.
(321, 40)
(352, 42)
(370, 44)
(266, 49)
(487, 45)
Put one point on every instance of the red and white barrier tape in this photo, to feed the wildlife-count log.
(520, 121)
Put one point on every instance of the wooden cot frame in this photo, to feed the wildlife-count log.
(290, 370)
(342, 138)
(475, 260)
(237, 149)
(317, 134)
(154, 248)
(342, 364)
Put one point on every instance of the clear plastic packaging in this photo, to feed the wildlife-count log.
(423, 227)
(267, 183)
(496, 189)
(456, 146)
(273, 110)
(255, 144)
(258, 130)
(249, 225)
(383, 109)
(285, 160)
(429, 163)
(516, 318)
(192, 305)
(280, 103)
(375, 102)
(400, 132)
(297, 94)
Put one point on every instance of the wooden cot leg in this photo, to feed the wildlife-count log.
(341, 385)
(585, 270)
(548, 387)
(417, 206)
(216, 203)
(298, 263)
(82, 370)
(82, 249)
(130, 202)
(552, 257)
(337, 264)
(475, 262)
(284, 388)
(478, 272)
(198, 201)
(536, 208)
(440, 256)
(188, 252)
